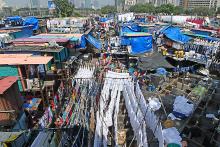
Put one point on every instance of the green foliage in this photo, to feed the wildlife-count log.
(218, 10)
(203, 11)
(171, 9)
(108, 9)
(143, 8)
(149, 8)
(166, 8)
(64, 8)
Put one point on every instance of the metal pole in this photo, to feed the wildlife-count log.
(116, 3)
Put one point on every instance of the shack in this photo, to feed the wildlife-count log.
(137, 42)
(10, 102)
(30, 69)
(59, 53)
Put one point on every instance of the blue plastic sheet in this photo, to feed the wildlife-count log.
(130, 28)
(125, 41)
(103, 19)
(161, 71)
(14, 18)
(201, 32)
(175, 34)
(141, 20)
(141, 44)
(209, 38)
(95, 42)
(82, 43)
(31, 21)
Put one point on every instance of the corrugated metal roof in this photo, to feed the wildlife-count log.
(24, 48)
(41, 40)
(59, 35)
(24, 60)
(6, 83)
(9, 31)
(136, 34)
(14, 55)
(7, 135)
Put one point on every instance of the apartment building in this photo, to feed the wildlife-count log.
(190, 4)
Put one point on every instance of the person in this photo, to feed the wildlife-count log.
(29, 119)
(109, 49)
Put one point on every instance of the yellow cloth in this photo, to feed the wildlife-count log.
(168, 124)
(11, 138)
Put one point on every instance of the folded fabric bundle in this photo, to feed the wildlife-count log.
(182, 106)
(171, 135)
(154, 104)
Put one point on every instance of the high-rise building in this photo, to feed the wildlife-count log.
(76, 3)
(87, 3)
(190, 4)
(35, 3)
(143, 1)
(96, 4)
(173, 2)
(159, 2)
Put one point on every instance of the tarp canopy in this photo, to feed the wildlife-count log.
(14, 18)
(176, 35)
(103, 19)
(209, 38)
(31, 21)
(82, 42)
(95, 42)
(202, 32)
(155, 60)
(141, 44)
(130, 28)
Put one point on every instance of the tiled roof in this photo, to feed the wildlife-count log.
(6, 82)
(23, 59)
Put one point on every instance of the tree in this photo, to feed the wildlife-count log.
(203, 11)
(178, 10)
(108, 9)
(64, 8)
(166, 8)
(218, 10)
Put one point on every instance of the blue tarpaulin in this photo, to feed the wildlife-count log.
(202, 32)
(125, 41)
(209, 38)
(161, 71)
(141, 44)
(31, 21)
(103, 19)
(82, 43)
(141, 20)
(130, 28)
(175, 34)
(14, 18)
(95, 42)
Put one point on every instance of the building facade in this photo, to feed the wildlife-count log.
(190, 4)
(159, 2)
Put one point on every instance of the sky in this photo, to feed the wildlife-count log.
(23, 3)
(43, 3)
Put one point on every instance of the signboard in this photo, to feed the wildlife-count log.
(130, 2)
(51, 5)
